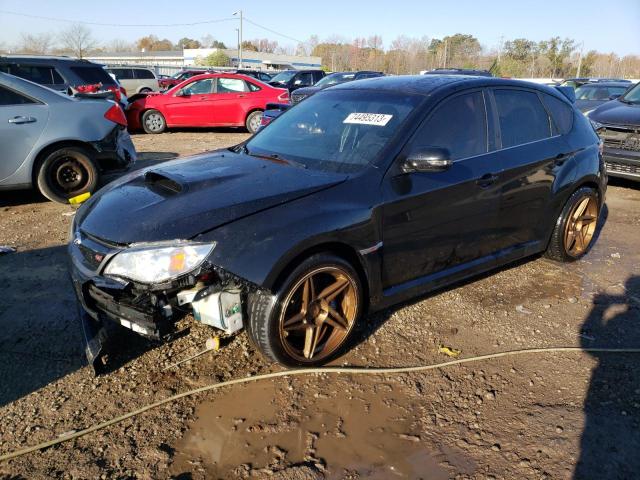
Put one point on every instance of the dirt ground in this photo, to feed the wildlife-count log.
(569, 415)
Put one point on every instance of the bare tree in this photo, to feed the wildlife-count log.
(40, 43)
(78, 40)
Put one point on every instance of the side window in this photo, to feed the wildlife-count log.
(522, 117)
(317, 76)
(253, 87)
(231, 85)
(304, 79)
(41, 75)
(561, 114)
(459, 125)
(199, 87)
(264, 77)
(143, 74)
(57, 78)
(9, 97)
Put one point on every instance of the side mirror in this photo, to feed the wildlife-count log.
(427, 159)
(614, 96)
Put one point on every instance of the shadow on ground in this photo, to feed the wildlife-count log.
(40, 336)
(610, 442)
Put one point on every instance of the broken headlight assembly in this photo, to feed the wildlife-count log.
(157, 263)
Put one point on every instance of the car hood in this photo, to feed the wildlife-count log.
(185, 197)
(616, 112)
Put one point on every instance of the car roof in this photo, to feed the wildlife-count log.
(44, 59)
(205, 75)
(426, 84)
(606, 84)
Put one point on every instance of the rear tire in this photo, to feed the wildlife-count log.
(576, 226)
(145, 90)
(253, 121)
(66, 173)
(297, 334)
(153, 122)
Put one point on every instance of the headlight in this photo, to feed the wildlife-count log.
(158, 263)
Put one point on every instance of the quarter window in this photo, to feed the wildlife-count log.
(459, 125)
(522, 117)
(561, 113)
(9, 97)
(144, 74)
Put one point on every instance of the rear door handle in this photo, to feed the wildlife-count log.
(19, 120)
(487, 180)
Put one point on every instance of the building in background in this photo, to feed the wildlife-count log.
(169, 62)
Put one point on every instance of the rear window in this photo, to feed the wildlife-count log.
(561, 114)
(90, 75)
(522, 117)
(144, 74)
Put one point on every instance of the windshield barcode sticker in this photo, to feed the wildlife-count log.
(378, 119)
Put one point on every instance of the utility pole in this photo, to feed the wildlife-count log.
(500, 47)
(580, 60)
(239, 12)
(444, 62)
(238, 44)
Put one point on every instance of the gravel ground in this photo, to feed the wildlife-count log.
(573, 415)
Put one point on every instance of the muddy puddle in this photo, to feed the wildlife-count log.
(350, 433)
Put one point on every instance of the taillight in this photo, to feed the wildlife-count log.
(116, 115)
(265, 120)
(284, 97)
(123, 91)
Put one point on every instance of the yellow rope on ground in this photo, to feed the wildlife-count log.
(291, 373)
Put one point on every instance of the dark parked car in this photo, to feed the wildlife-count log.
(457, 71)
(331, 80)
(364, 195)
(179, 77)
(577, 82)
(294, 79)
(618, 124)
(592, 95)
(63, 74)
(258, 74)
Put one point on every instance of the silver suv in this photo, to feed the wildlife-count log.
(57, 143)
(135, 79)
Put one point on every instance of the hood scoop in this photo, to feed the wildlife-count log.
(162, 182)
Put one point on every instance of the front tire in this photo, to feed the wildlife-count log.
(253, 121)
(66, 173)
(310, 319)
(153, 122)
(576, 226)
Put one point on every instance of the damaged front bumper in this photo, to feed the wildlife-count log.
(214, 296)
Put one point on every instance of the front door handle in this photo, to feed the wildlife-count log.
(19, 120)
(487, 180)
(241, 96)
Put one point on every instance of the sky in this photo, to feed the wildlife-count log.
(595, 22)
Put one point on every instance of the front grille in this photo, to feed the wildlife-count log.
(92, 252)
(621, 138)
(623, 168)
(297, 98)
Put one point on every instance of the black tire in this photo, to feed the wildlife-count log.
(264, 313)
(559, 247)
(153, 122)
(252, 123)
(145, 90)
(67, 172)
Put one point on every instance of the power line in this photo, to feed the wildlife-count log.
(274, 31)
(66, 20)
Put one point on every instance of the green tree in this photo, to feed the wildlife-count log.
(248, 45)
(216, 59)
(186, 42)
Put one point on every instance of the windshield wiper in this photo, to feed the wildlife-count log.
(278, 158)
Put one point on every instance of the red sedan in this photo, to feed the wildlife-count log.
(209, 100)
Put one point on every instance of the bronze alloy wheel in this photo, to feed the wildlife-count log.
(581, 226)
(318, 313)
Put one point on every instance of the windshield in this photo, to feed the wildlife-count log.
(283, 77)
(633, 95)
(598, 92)
(335, 78)
(337, 131)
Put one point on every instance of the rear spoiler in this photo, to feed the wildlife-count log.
(568, 92)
